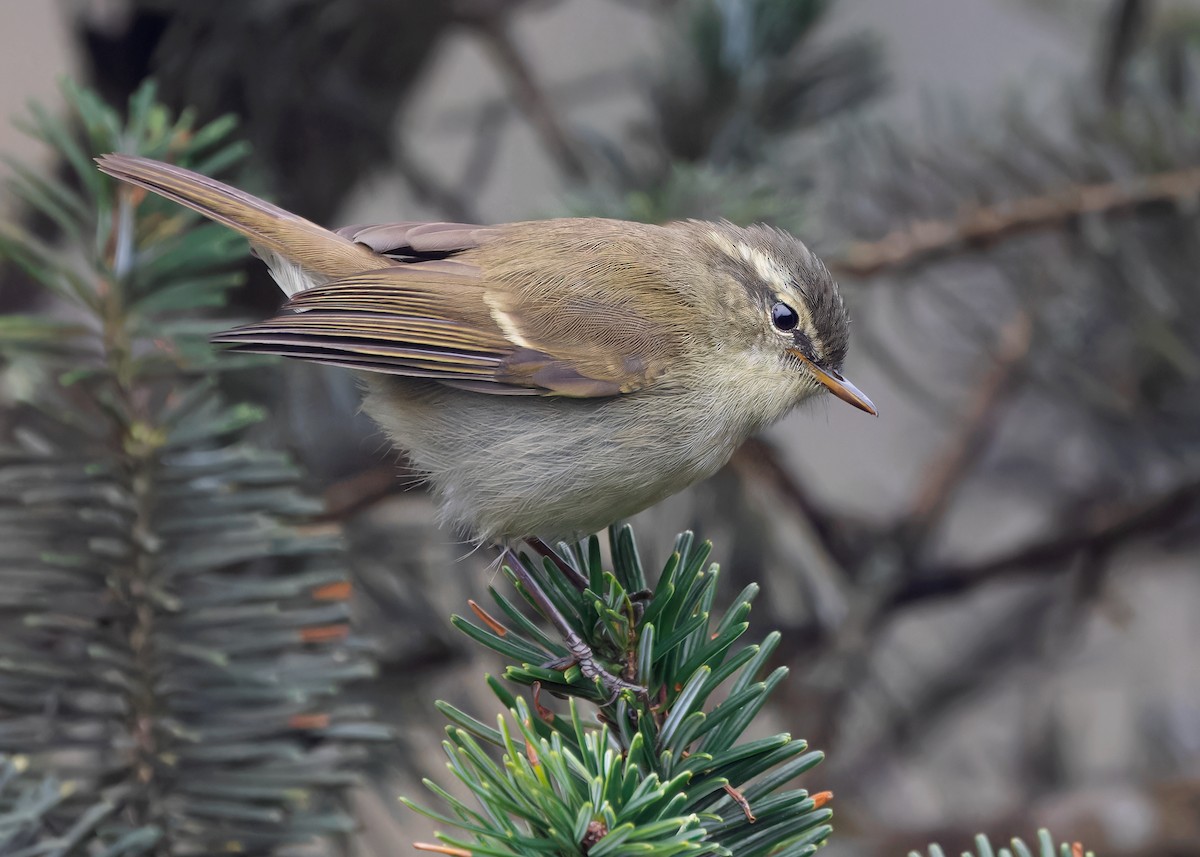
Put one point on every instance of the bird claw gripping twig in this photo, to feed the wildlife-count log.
(580, 653)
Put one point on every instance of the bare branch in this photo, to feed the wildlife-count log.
(925, 241)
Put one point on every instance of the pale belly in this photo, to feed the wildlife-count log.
(504, 467)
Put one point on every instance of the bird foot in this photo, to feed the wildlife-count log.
(582, 656)
(579, 652)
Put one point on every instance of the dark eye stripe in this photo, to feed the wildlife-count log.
(784, 317)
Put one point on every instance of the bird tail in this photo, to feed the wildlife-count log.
(271, 230)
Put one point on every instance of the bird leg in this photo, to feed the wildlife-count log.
(580, 653)
(568, 571)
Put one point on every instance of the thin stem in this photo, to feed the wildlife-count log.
(925, 241)
(581, 653)
(566, 569)
(136, 443)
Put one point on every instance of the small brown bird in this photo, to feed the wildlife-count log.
(553, 376)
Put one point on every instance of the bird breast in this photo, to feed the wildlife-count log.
(503, 468)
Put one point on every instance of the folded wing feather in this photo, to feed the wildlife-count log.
(436, 320)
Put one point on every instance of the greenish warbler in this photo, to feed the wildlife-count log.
(549, 377)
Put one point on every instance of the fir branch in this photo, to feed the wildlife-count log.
(666, 772)
(735, 80)
(33, 821)
(177, 634)
(1046, 847)
(1128, 19)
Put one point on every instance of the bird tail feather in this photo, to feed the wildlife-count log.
(269, 227)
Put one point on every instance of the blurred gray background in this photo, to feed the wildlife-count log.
(1045, 692)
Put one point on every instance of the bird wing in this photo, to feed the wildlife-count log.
(434, 316)
(414, 240)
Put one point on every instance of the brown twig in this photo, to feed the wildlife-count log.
(740, 800)
(924, 241)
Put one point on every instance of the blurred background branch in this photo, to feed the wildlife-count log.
(924, 242)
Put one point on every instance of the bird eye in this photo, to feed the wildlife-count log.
(784, 317)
